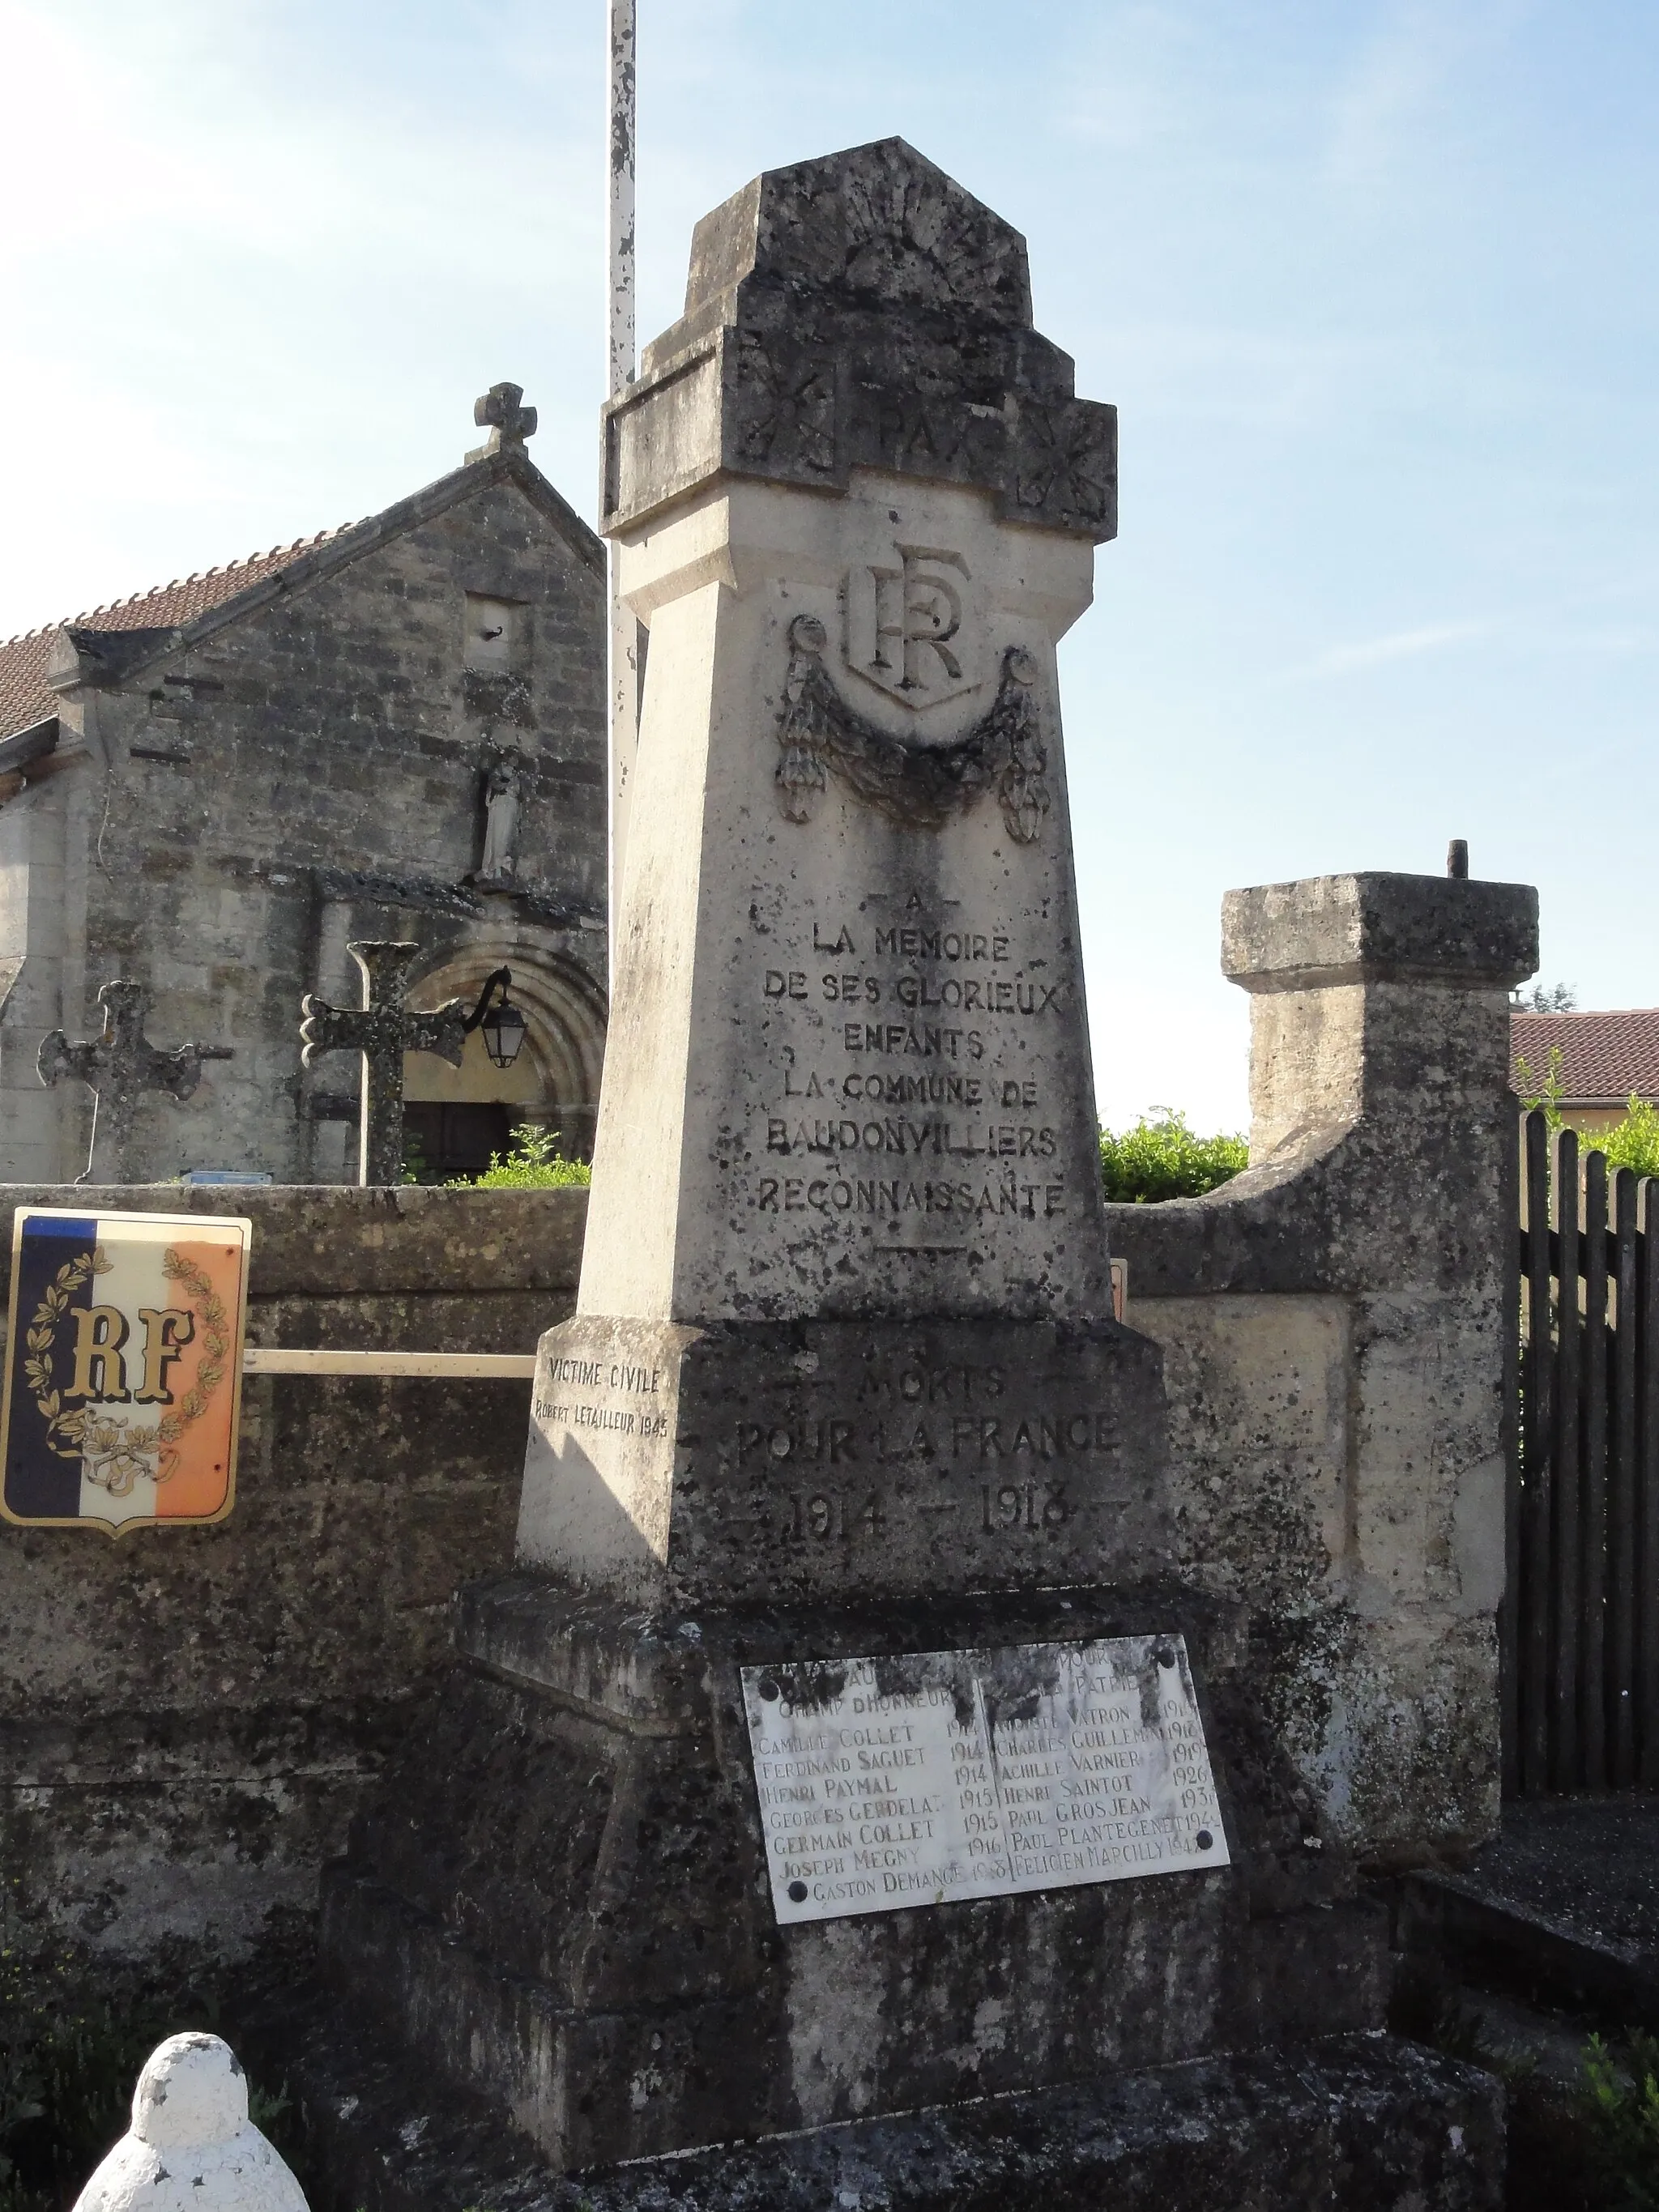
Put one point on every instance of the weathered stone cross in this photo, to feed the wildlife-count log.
(116, 1066)
(500, 411)
(383, 1031)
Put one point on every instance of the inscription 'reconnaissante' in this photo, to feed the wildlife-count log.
(938, 1776)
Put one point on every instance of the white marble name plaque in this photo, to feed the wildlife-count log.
(939, 1775)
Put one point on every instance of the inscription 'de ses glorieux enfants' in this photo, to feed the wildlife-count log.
(941, 994)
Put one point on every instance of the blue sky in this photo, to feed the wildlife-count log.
(1373, 286)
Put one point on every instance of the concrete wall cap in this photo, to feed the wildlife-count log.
(333, 1240)
(1373, 927)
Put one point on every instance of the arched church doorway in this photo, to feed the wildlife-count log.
(455, 1118)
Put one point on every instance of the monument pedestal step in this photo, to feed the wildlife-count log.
(1348, 2124)
(560, 1896)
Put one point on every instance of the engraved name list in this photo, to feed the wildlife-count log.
(884, 1783)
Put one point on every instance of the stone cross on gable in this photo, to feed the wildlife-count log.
(382, 1029)
(116, 1066)
(508, 422)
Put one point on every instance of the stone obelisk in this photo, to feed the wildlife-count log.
(845, 1253)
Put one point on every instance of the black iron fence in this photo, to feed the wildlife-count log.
(1581, 1613)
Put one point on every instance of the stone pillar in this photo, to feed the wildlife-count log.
(1382, 997)
(1335, 1322)
(846, 1077)
(38, 1132)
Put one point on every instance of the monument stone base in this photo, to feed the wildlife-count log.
(1367, 2122)
(743, 1460)
(561, 1899)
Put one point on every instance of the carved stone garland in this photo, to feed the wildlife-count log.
(913, 782)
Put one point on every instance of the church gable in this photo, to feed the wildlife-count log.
(27, 698)
(394, 730)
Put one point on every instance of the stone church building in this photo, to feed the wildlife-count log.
(392, 729)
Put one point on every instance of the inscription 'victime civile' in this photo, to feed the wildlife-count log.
(905, 625)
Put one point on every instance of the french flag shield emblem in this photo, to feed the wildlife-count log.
(124, 1369)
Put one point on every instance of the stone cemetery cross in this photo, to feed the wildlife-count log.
(383, 1029)
(116, 1066)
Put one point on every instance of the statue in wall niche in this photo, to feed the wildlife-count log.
(502, 805)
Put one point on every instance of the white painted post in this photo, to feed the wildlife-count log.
(191, 2147)
(622, 658)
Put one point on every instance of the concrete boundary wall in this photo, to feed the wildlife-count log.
(189, 1716)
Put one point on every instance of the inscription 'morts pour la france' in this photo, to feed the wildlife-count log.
(890, 1782)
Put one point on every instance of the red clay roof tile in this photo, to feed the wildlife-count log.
(26, 698)
(1603, 1056)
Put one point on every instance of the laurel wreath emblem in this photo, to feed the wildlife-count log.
(113, 1452)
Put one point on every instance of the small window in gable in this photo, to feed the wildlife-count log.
(498, 634)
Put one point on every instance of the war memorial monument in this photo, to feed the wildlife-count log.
(852, 1798)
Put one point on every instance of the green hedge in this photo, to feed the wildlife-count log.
(1161, 1157)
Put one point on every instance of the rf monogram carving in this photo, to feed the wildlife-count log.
(913, 627)
(905, 778)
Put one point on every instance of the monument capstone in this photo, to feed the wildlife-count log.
(848, 1740)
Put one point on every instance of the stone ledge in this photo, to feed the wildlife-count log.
(1367, 2122)
(655, 1673)
(328, 1240)
(1559, 1911)
(1374, 928)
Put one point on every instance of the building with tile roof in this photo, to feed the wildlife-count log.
(25, 696)
(212, 787)
(1598, 1059)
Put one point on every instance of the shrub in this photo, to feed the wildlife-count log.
(1161, 1157)
(1633, 1142)
(533, 1163)
(1621, 2103)
(1545, 1091)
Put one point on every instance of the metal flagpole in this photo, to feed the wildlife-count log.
(622, 657)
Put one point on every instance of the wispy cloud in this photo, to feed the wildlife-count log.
(1396, 645)
(1403, 84)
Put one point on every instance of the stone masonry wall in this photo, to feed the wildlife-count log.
(189, 1716)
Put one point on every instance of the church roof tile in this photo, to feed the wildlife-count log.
(26, 698)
